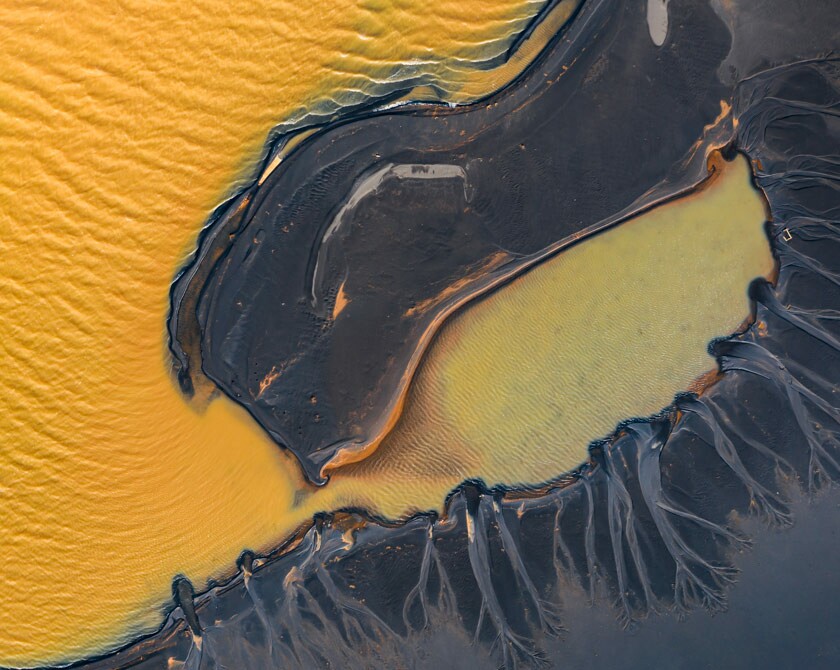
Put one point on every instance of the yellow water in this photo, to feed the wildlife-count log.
(122, 124)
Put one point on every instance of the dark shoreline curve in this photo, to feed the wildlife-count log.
(650, 527)
(806, 259)
(314, 300)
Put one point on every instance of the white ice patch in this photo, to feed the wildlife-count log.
(657, 20)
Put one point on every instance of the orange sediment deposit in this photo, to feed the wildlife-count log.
(488, 266)
(705, 381)
(341, 301)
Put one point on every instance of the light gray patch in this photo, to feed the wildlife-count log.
(657, 20)
(370, 184)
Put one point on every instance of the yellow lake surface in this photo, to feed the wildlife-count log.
(122, 124)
